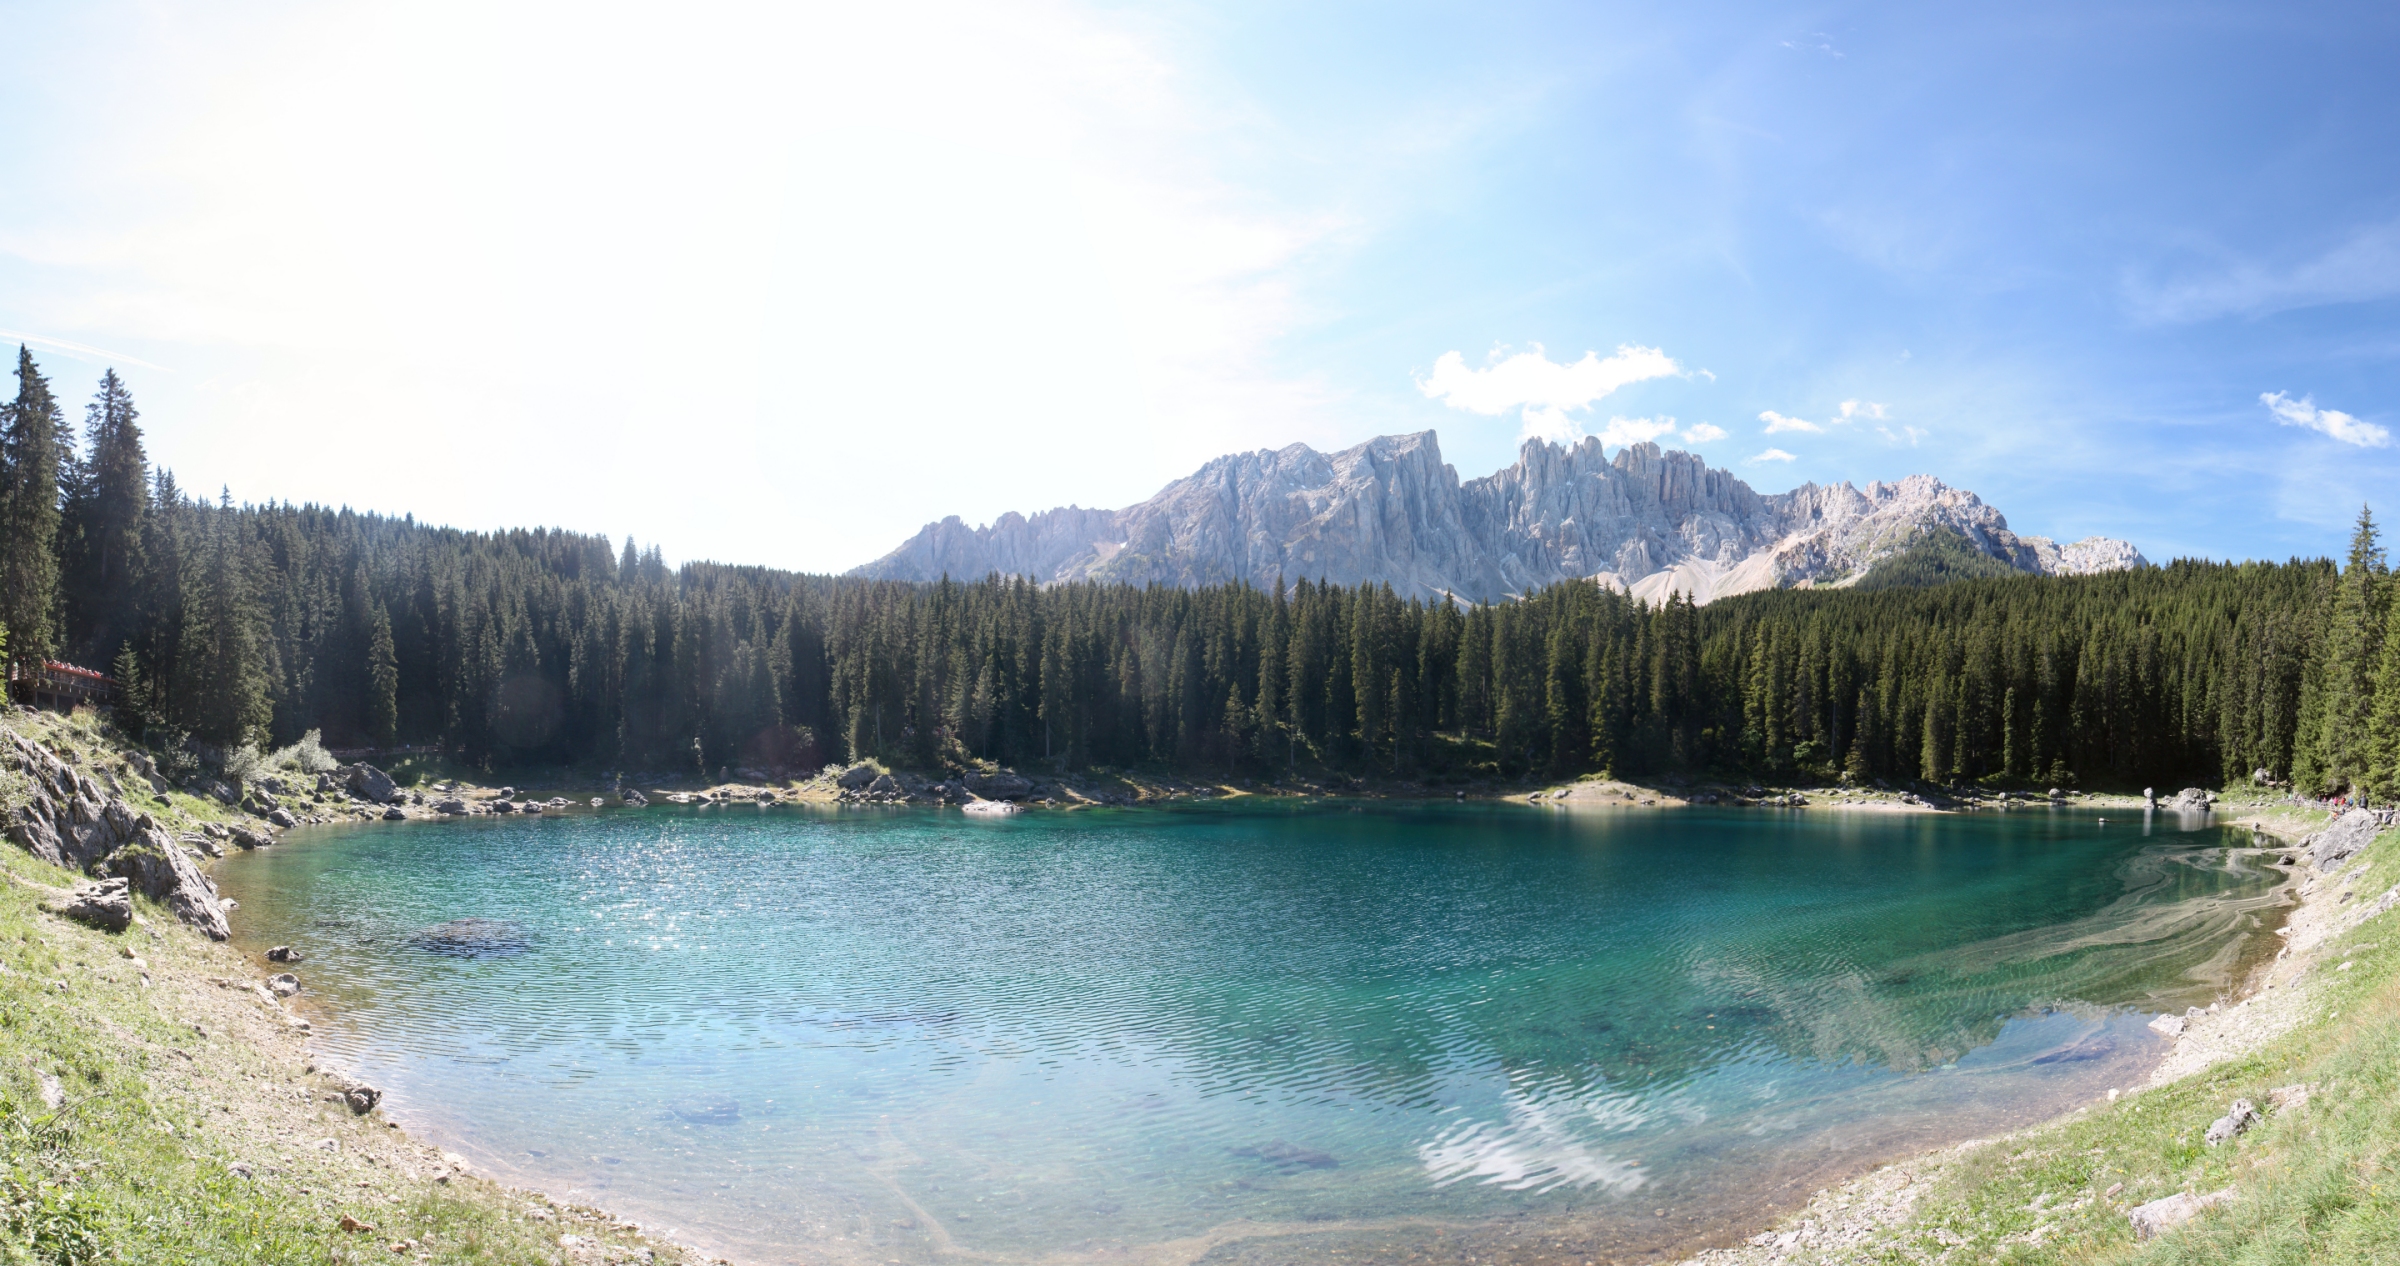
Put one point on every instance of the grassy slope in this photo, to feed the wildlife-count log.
(2317, 1184)
(168, 1082)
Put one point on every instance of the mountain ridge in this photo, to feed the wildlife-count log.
(1648, 521)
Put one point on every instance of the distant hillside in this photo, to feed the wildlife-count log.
(1939, 558)
(1648, 522)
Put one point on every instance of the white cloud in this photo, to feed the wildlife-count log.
(1862, 409)
(1777, 424)
(1702, 433)
(1908, 435)
(1775, 455)
(1623, 431)
(2304, 412)
(1533, 381)
(2364, 266)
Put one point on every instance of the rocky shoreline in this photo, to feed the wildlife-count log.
(226, 1049)
(78, 809)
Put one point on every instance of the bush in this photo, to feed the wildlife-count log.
(307, 756)
(243, 763)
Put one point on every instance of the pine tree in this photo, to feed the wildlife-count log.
(104, 522)
(383, 682)
(2353, 654)
(33, 456)
(226, 697)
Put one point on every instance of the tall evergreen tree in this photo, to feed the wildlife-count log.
(103, 529)
(2353, 656)
(33, 458)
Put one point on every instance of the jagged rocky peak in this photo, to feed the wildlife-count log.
(1650, 521)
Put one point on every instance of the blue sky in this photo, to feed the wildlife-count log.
(778, 284)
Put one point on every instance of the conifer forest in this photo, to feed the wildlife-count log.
(229, 623)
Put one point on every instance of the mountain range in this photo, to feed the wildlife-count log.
(1648, 521)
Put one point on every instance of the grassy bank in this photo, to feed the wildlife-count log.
(158, 1105)
(2314, 1182)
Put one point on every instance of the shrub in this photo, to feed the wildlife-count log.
(243, 763)
(307, 756)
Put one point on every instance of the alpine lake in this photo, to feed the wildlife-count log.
(1245, 1031)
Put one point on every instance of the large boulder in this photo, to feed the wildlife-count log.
(856, 778)
(2172, 1211)
(104, 904)
(2340, 842)
(67, 820)
(168, 875)
(371, 784)
(1000, 786)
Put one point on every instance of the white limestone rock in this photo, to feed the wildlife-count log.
(1647, 521)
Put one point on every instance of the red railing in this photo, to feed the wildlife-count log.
(51, 684)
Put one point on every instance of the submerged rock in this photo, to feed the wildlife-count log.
(473, 938)
(285, 954)
(708, 1110)
(1287, 1157)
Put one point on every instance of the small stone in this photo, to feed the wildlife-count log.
(2172, 1211)
(284, 984)
(238, 1169)
(352, 1224)
(2237, 1119)
(285, 954)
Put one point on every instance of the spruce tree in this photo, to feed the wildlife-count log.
(2353, 654)
(32, 458)
(226, 694)
(383, 682)
(104, 522)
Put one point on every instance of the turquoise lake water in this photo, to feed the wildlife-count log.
(1238, 1032)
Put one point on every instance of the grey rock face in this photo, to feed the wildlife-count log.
(1647, 521)
(371, 784)
(856, 778)
(105, 904)
(68, 820)
(2340, 842)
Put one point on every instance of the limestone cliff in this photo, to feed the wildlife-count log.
(1390, 509)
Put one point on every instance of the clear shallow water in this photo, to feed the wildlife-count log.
(1238, 1031)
